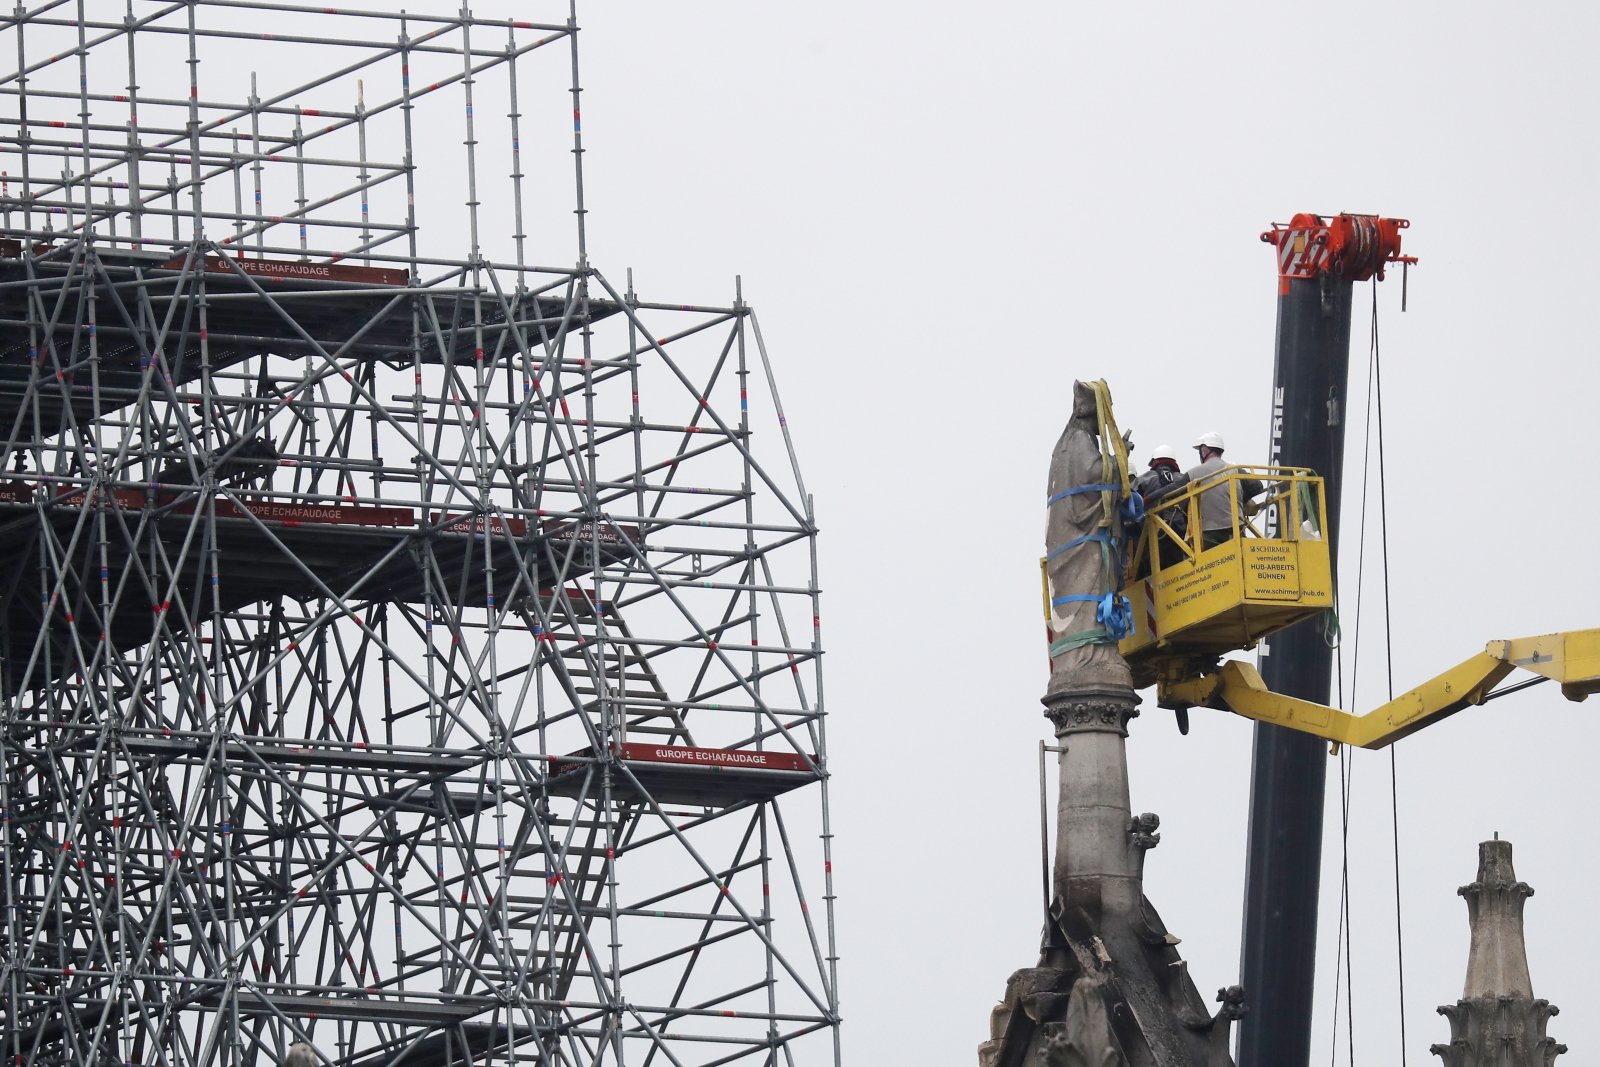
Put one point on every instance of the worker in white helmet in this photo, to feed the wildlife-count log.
(1163, 468)
(1216, 522)
(1163, 472)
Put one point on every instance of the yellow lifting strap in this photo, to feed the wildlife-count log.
(1571, 658)
(1113, 453)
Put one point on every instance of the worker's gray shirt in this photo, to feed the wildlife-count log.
(1214, 513)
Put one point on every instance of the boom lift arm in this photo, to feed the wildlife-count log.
(1571, 659)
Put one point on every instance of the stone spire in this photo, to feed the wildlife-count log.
(1497, 1022)
(1110, 989)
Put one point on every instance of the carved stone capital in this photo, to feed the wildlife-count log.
(1498, 1031)
(1097, 713)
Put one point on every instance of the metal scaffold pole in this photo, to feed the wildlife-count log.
(403, 645)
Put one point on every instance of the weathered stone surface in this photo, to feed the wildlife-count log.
(1098, 868)
(1086, 568)
(1498, 1022)
(1084, 1038)
(1032, 994)
(1497, 963)
(1499, 1032)
(1110, 989)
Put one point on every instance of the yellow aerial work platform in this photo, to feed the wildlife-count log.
(1195, 597)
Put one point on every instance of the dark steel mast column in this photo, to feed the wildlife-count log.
(1318, 263)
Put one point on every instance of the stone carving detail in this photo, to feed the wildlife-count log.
(1110, 989)
(1498, 1022)
(1499, 1032)
(1085, 1038)
(1234, 1007)
(1077, 716)
(1143, 829)
(1034, 995)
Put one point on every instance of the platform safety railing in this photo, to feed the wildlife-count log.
(1271, 503)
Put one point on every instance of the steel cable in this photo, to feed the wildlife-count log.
(1388, 653)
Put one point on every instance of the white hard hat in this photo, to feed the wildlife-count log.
(1164, 452)
(1210, 440)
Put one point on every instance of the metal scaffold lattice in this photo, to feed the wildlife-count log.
(414, 656)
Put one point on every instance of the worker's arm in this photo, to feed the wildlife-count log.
(1172, 488)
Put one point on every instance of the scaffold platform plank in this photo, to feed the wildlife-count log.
(460, 1046)
(684, 774)
(370, 1006)
(277, 752)
(267, 307)
(269, 549)
(431, 799)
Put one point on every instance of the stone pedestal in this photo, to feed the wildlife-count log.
(1110, 989)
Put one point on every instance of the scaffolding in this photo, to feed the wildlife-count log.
(414, 656)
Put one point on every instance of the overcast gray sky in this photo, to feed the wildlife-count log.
(944, 213)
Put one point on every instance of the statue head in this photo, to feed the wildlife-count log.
(1083, 402)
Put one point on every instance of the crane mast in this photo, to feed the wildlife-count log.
(1319, 261)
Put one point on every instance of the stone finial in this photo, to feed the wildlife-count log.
(1498, 1022)
(1497, 964)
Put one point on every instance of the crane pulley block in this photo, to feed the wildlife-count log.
(1348, 247)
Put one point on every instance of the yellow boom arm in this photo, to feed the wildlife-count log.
(1572, 659)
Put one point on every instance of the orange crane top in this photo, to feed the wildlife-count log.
(1350, 247)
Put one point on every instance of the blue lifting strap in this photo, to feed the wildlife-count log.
(1133, 507)
(1112, 611)
(1075, 542)
(1082, 489)
(1116, 614)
